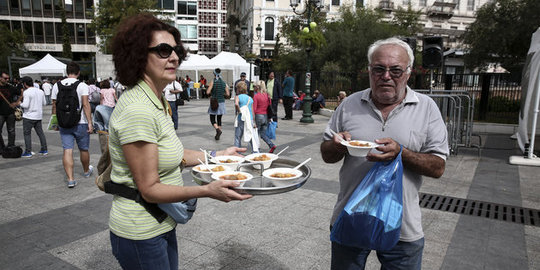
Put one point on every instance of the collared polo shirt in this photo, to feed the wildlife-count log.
(416, 124)
(140, 116)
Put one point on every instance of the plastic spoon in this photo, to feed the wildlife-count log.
(302, 164)
(282, 150)
(205, 165)
(336, 134)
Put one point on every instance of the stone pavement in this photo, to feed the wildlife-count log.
(45, 225)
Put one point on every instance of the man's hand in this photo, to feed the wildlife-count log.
(390, 149)
(232, 151)
(333, 151)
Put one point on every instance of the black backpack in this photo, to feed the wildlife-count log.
(67, 105)
(12, 152)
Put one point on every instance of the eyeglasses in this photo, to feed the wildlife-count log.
(395, 72)
(165, 50)
(5, 78)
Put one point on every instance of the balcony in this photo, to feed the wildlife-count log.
(441, 10)
(386, 5)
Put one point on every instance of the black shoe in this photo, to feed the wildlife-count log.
(286, 118)
(218, 133)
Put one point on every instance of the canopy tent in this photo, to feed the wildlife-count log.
(47, 66)
(528, 115)
(234, 62)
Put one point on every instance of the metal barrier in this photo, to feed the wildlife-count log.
(457, 109)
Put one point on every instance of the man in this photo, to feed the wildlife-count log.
(33, 102)
(242, 79)
(288, 95)
(47, 87)
(170, 92)
(203, 84)
(389, 113)
(10, 98)
(81, 132)
(318, 102)
(275, 93)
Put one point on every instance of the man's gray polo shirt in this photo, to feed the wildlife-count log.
(416, 124)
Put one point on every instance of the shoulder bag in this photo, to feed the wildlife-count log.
(18, 111)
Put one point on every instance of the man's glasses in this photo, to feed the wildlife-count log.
(395, 72)
(165, 50)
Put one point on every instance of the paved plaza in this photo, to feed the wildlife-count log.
(45, 225)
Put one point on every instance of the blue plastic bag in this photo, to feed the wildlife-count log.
(271, 130)
(371, 219)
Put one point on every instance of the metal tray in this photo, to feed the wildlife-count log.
(260, 185)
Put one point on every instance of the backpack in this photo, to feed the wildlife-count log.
(95, 97)
(67, 105)
(12, 152)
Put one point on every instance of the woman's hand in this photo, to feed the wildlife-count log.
(232, 151)
(221, 190)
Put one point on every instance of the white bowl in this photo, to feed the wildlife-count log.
(266, 163)
(359, 151)
(280, 181)
(219, 175)
(207, 175)
(220, 160)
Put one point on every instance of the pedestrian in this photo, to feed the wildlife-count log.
(94, 94)
(242, 79)
(33, 102)
(288, 95)
(318, 102)
(203, 83)
(171, 92)
(390, 114)
(10, 98)
(61, 93)
(108, 94)
(261, 101)
(217, 89)
(275, 92)
(245, 120)
(145, 151)
(47, 87)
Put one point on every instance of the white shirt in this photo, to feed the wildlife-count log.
(47, 87)
(167, 90)
(82, 90)
(33, 102)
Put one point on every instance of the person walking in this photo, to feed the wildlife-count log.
(146, 152)
(82, 129)
(47, 88)
(108, 94)
(261, 101)
(33, 102)
(10, 98)
(217, 89)
(245, 120)
(392, 115)
(94, 94)
(275, 92)
(242, 79)
(288, 95)
(171, 92)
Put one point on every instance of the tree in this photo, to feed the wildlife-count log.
(109, 13)
(66, 45)
(10, 43)
(502, 33)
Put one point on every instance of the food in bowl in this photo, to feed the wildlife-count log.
(237, 176)
(359, 148)
(206, 175)
(358, 143)
(227, 161)
(264, 159)
(218, 168)
(281, 177)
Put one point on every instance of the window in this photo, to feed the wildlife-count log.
(188, 31)
(4, 7)
(80, 33)
(47, 8)
(457, 3)
(38, 30)
(79, 9)
(470, 5)
(49, 32)
(187, 8)
(15, 11)
(29, 34)
(269, 29)
(335, 2)
(89, 14)
(57, 8)
(36, 7)
(166, 4)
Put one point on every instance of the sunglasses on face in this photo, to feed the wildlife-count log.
(165, 50)
(395, 72)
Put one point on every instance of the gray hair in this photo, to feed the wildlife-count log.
(392, 41)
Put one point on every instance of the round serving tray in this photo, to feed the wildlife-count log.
(260, 185)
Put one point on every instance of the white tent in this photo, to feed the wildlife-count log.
(195, 62)
(47, 66)
(528, 115)
(234, 62)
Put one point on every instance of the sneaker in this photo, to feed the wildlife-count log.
(72, 184)
(218, 134)
(272, 149)
(27, 154)
(44, 152)
(89, 172)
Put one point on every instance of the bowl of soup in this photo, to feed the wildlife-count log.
(206, 174)
(240, 177)
(265, 159)
(229, 161)
(282, 176)
(359, 148)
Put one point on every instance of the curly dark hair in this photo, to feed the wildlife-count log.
(131, 42)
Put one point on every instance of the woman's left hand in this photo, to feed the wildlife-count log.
(232, 151)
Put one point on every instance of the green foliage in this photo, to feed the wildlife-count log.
(407, 20)
(10, 43)
(502, 33)
(66, 45)
(109, 13)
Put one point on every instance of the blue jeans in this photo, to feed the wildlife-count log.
(159, 253)
(174, 110)
(238, 133)
(405, 255)
(77, 133)
(262, 124)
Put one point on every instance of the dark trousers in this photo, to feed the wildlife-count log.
(10, 124)
(174, 110)
(275, 102)
(287, 104)
(28, 124)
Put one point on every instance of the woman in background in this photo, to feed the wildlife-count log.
(261, 101)
(217, 89)
(108, 94)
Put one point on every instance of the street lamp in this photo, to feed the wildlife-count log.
(250, 38)
(310, 6)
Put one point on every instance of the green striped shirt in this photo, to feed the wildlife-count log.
(140, 116)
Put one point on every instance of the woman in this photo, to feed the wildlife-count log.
(261, 101)
(245, 113)
(108, 94)
(145, 151)
(217, 89)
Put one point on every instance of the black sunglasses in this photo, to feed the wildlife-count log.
(165, 50)
(395, 72)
